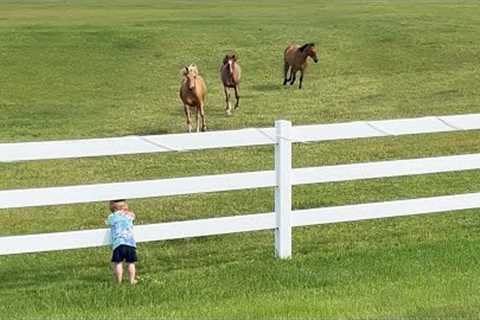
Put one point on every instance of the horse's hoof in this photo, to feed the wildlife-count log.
(228, 113)
(204, 129)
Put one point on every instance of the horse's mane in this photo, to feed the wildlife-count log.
(190, 69)
(306, 45)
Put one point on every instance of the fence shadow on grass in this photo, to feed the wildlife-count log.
(152, 131)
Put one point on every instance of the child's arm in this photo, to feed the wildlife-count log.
(129, 214)
(108, 222)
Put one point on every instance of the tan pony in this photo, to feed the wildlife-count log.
(193, 92)
(230, 74)
(295, 59)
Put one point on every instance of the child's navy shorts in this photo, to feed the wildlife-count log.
(123, 252)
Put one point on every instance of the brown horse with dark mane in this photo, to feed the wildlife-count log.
(193, 92)
(230, 74)
(295, 59)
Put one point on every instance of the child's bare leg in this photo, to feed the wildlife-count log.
(118, 271)
(131, 273)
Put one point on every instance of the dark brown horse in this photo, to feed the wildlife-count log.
(295, 59)
(230, 74)
(193, 92)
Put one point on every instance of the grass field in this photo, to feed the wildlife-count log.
(76, 69)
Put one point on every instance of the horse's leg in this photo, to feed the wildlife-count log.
(188, 116)
(198, 118)
(227, 101)
(301, 79)
(292, 76)
(237, 95)
(202, 114)
(285, 72)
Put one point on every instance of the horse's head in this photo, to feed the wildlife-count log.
(190, 73)
(310, 51)
(229, 61)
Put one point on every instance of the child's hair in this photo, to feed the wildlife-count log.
(120, 204)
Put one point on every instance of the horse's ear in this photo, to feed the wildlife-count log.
(225, 59)
(234, 57)
(311, 44)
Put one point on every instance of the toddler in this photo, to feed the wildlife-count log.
(123, 244)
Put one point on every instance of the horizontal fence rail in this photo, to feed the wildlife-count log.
(387, 209)
(282, 178)
(244, 223)
(143, 233)
(132, 190)
(27, 151)
(385, 169)
(228, 182)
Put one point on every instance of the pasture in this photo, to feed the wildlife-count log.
(85, 68)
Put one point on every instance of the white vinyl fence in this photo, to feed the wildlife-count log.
(283, 177)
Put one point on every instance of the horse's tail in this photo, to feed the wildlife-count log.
(203, 86)
(239, 72)
(289, 47)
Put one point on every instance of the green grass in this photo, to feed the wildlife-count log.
(76, 69)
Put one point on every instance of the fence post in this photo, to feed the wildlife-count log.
(283, 189)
